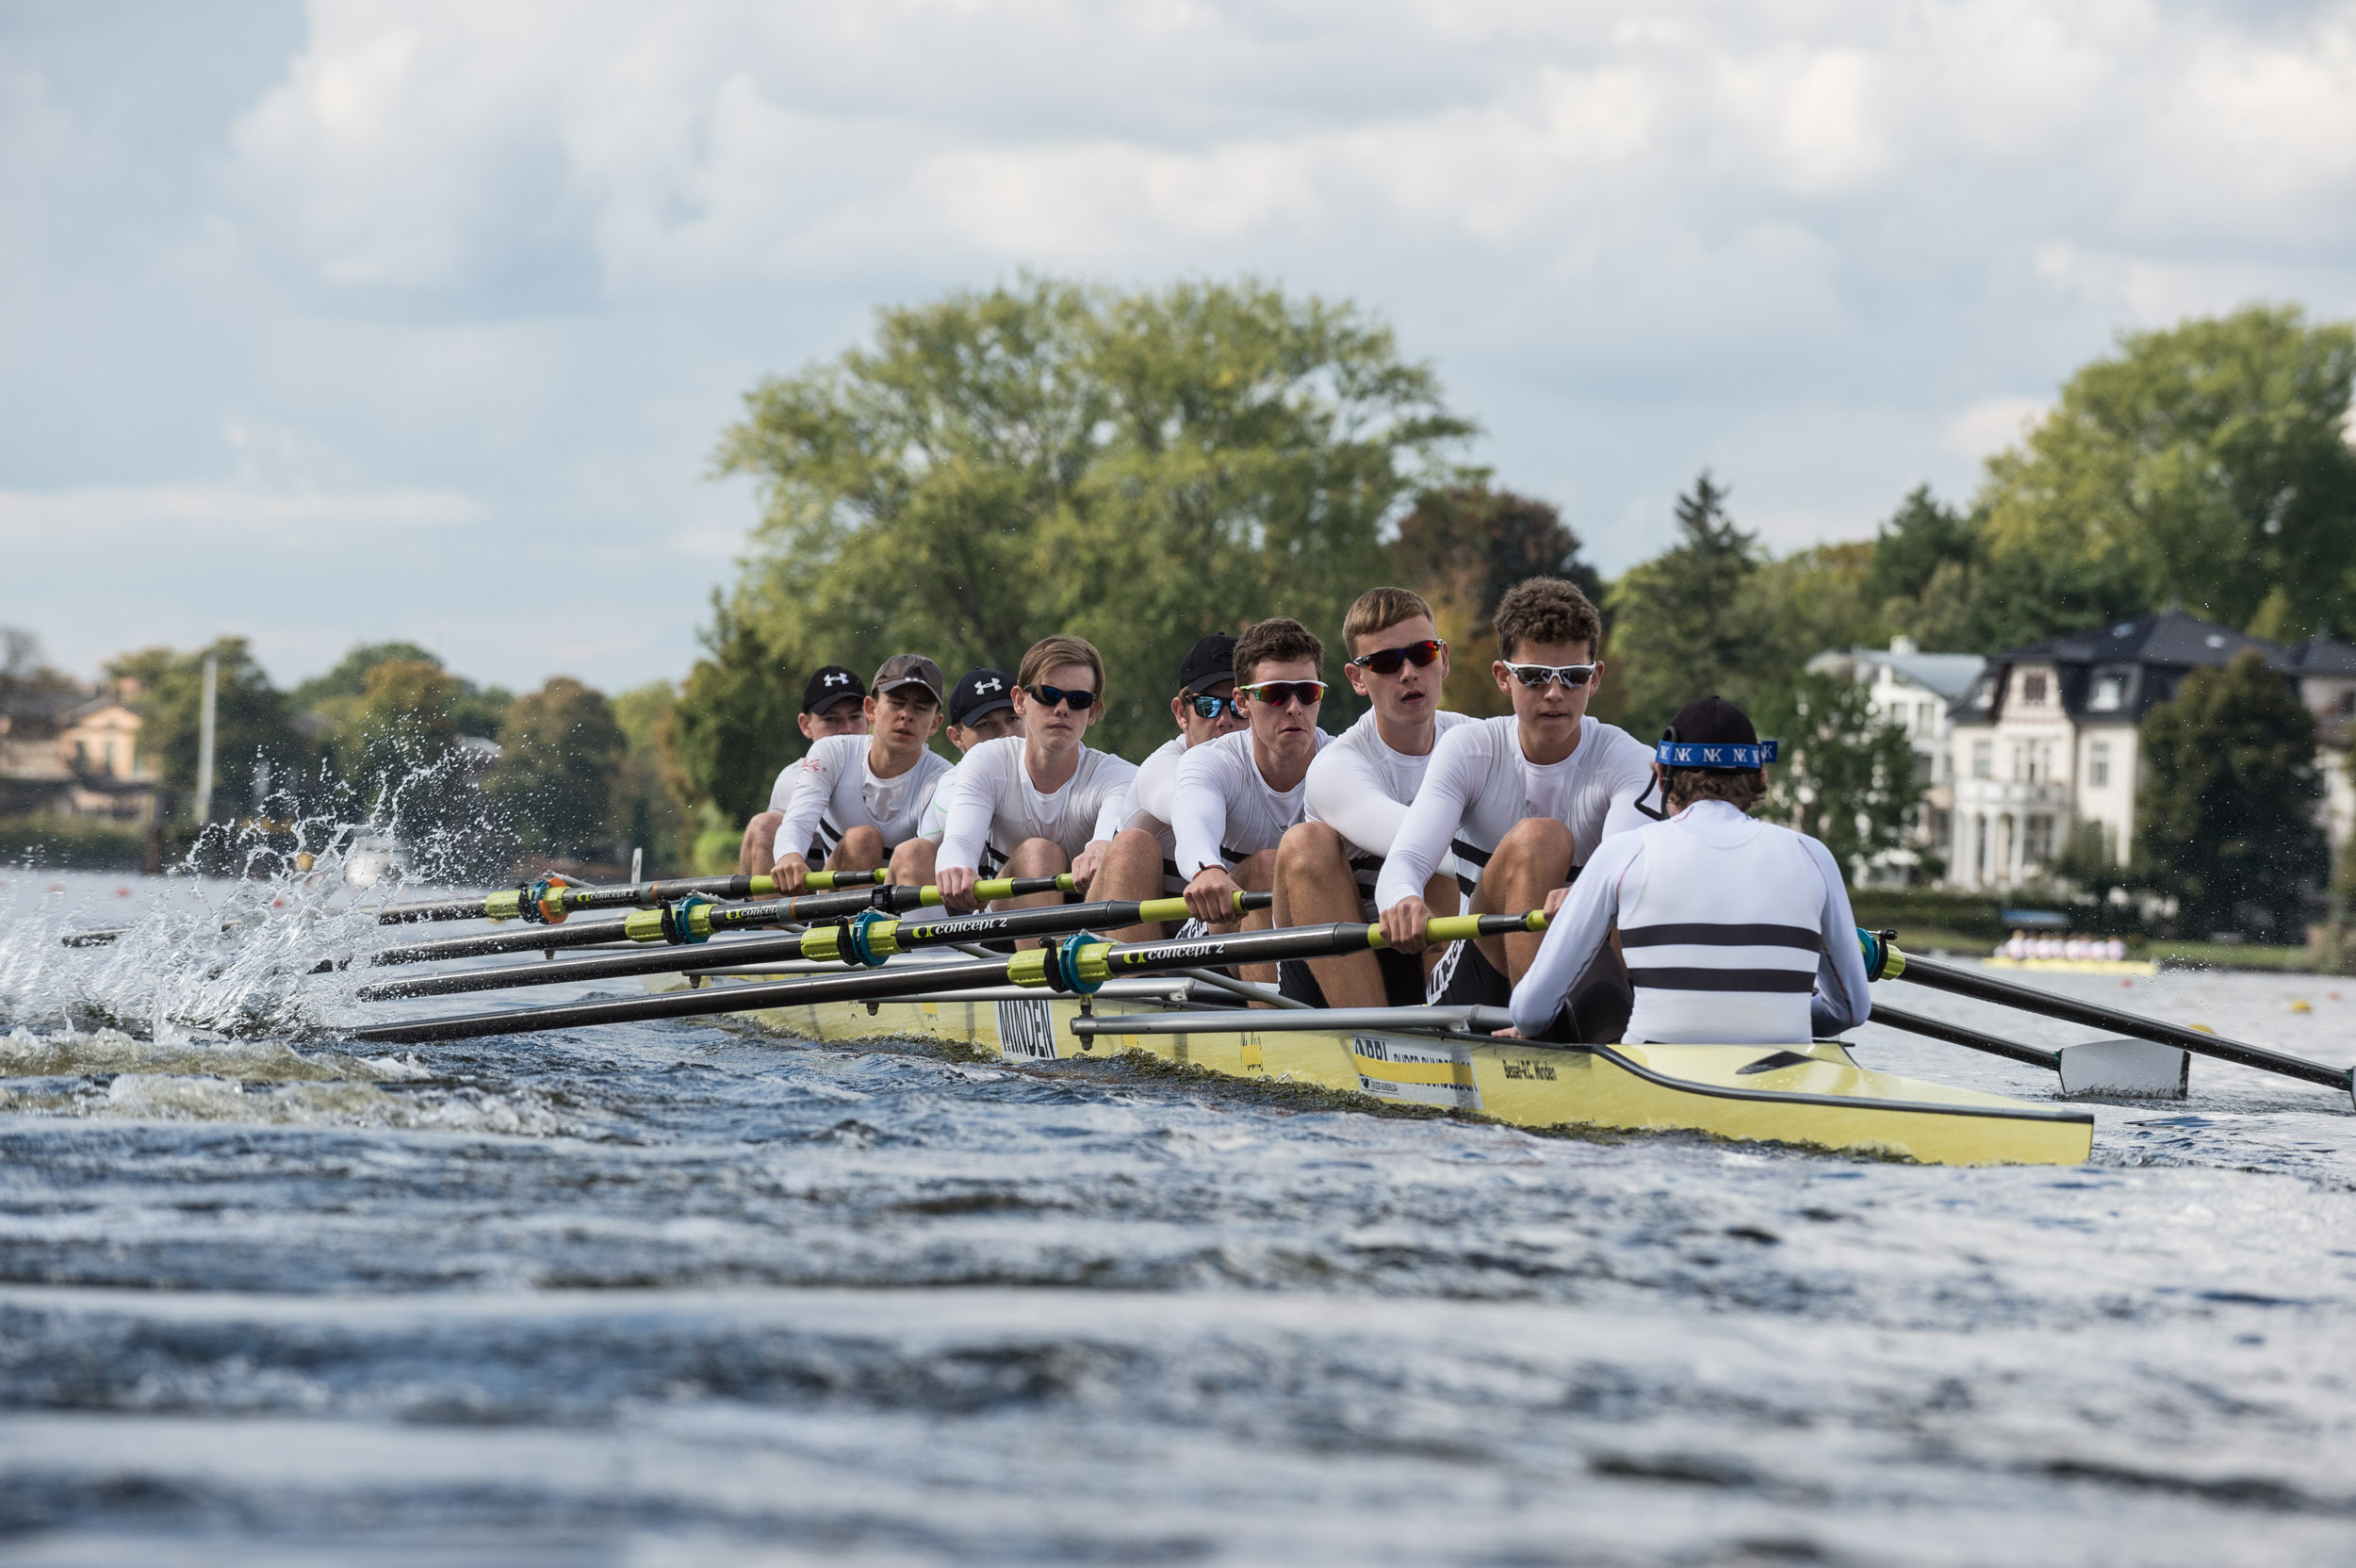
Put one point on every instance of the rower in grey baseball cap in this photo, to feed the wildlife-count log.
(909, 669)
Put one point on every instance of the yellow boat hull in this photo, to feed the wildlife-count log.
(1814, 1095)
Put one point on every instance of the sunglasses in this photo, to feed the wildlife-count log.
(1278, 692)
(1388, 660)
(1542, 675)
(1047, 697)
(1209, 707)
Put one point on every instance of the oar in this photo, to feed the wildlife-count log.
(547, 901)
(1894, 965)
(1079, 964)
(1955, 1033)
(694, 919)
(880, 936)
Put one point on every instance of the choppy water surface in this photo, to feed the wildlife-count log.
(680, 1293)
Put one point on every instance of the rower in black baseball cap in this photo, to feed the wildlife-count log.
(1141, 861)
(825, 696)
(1734, 931)
(981, 708)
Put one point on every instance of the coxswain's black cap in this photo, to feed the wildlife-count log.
(1712, 732)
(829, 685)
(980, 692)
(1208, 663)
(908, 669)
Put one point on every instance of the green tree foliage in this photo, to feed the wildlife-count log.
(1462, 548)
(253, 730)
(1687, 623)
(338, 697)
(555, 773)
(732, 729)
(2205, 463)
(1843, 776)
(2225, 816)
(1133, 469)
(648, 811)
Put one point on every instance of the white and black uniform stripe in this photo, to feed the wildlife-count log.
(1361, 789)
(1478, 785)
(1734, 931)
(1224, 807)
(834, 789)
(994, 806)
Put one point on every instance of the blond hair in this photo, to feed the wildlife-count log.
(1378, 609)
(1050, 652)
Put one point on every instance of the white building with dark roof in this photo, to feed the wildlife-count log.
(1914, 690)
(2049, 736)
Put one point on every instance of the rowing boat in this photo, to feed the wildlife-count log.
(1813, 1094)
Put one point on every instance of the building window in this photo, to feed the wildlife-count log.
(2110, 692)
(2033, 691)
(2098, 765)
(2036, 843)
(1983, 758)
(1921, 767)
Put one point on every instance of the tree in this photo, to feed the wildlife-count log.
(1843, 776)
(1922, 536)
(1687, 623)
(732, 729)
(1133, 468)
(2205, 463)
(337, 697)
(651, 806)
(556, 770)
(2225, 816)
(255, 739)
(1462, 548)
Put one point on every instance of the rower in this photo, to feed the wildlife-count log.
(854, 799)
(1141, 861)
(981, 708)
(833, 703)
(1359, 789)
(1522, 799)
(1236, 795)
(1039, 804)
(1735, 932)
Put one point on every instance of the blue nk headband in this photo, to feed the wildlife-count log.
(1714, 754)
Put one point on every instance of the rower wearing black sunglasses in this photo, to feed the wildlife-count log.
(1142, 862)
(1039, 804)
(1521, 800)
(1359, 790)
(1237, 794)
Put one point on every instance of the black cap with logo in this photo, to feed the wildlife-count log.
(1208, 663)
(829, 685)
(980, 692)
(908, 669)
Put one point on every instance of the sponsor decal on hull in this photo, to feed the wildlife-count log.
(1387, 1069)
(1026, 1030)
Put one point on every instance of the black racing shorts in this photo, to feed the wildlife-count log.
(1402, 979)
(1594, 1013)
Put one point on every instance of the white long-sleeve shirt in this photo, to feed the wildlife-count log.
(994, 806)
(1151, 792)
(834, 789)
(1479, 785)
(1361, 788)
(1734, 931)
(1224, 808)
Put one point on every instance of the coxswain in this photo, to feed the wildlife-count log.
(833, 703)
(1141, 861)
(854, 799)
(1359, 790)
(1734, 931)
(1039, 804)
(981, 708)
(1522, 799)
(1238, 795)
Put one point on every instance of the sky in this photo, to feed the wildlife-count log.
(361, 320)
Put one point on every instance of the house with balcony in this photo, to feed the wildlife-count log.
(2049, 736)
(1915, 691)
(67, 752)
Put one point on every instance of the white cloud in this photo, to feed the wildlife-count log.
(236, 513)
(1989, 425)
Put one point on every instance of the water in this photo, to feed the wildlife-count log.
(682, 1293)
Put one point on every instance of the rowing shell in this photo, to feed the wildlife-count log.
(1812, 1094)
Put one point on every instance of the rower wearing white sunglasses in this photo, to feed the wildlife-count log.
(1522, 799)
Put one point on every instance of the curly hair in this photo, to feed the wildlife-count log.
(1277, 639)
(1546, 610)
(1741, 790)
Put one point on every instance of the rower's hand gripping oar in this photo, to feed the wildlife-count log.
(1079, 965)
(548, 901)
(1884, 961)
(695, 920)
(866, 939)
